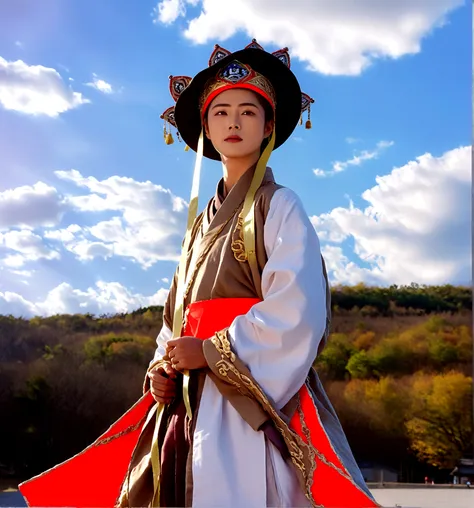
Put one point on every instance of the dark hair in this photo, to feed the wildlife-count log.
(269, 115)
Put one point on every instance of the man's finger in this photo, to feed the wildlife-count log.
(169, 370)
(164, 390)
(158, 377)
(163, 395)
(163, 381)
(179, 365)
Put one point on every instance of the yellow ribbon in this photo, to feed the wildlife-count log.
(181, 283)
(248, 210)
(178, 319)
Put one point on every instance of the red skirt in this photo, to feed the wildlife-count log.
(94, 477)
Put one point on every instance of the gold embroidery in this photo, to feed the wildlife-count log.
(222, 344)
(312, 450)
(238, 246)
(223, 367)
(258, 80)
(132, 428)
(293, 441)
(264, 84)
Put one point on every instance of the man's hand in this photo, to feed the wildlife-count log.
(186, 353)
(162, 383)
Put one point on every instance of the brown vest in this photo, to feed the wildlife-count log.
(221, 274)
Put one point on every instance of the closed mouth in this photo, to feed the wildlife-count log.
(233, 139)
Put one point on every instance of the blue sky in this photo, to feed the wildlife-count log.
(93, 203)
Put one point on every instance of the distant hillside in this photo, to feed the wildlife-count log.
(397, 367)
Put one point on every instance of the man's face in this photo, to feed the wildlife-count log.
(236, 123)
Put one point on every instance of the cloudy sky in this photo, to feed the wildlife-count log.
(93, 203)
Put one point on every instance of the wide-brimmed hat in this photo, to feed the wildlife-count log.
(252, 68)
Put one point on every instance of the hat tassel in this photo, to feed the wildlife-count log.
(168, 136)
(308, 122)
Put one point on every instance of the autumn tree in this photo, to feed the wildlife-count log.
(440, 426)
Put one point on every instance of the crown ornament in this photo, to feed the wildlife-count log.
(235, 73)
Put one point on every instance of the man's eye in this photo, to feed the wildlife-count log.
(221, 113)
(248, 112)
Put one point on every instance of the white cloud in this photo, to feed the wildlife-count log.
(168, 11)
(87, 250)
(35, 90)
(416, 227)
(343, 271)
(319, 172)
(16, 305)
(83, 245)
(19, 44)
(334, 37)
(27, 247)
(356, 160)
(159, 298)
(64, 235)
(101, 85)
(351, 140)
(104, 298)
(147, 227)
(23, 273)
(31, 206)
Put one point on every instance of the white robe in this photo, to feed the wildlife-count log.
(234, 466)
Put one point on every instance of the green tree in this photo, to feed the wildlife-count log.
(333, 360)
(124, 346)
(359, 365)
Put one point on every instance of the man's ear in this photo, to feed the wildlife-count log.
(268, 128)
(206, 129)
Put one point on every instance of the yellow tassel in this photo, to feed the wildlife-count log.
(186, 148)
(308, 124)
(169, 139)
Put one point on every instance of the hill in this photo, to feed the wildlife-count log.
(397, 367)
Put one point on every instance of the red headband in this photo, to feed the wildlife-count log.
(237, 75)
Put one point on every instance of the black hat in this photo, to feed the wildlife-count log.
(253, 68)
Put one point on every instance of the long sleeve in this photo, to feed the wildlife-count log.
(278, 339)
(164, 336)
(166, 331)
